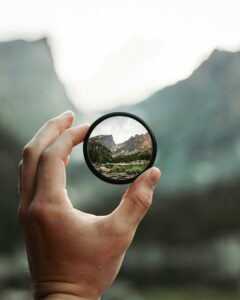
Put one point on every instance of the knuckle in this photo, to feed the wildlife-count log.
(50, 122)
(54, 124)
(37, 213)
(45, 156)
(29, 151)
(141, 201)
(43, 210)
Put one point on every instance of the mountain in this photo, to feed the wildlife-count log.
(197, 123)
(102, 148)
(98, 152)
(140, 143)
(192, 228)
(192, 231)
(30, 90)
(105, 140)
(30, 94)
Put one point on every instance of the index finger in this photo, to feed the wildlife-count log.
(33, 150)
(51, 177)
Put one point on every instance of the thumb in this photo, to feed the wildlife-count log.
(137, 199)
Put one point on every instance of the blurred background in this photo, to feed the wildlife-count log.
(176, 64)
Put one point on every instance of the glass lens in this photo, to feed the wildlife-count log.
(119, 148)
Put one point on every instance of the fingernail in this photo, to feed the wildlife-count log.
(154, 176)
(67, 113)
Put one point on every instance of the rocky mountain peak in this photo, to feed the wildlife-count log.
(105, 140)
(135, 144)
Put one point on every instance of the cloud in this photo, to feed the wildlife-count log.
(120, 127)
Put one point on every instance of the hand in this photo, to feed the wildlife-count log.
(71, 254)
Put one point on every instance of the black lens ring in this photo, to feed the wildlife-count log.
(92, 127)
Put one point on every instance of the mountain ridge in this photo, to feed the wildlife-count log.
(196, 123)
(136, 145)
(29, 87)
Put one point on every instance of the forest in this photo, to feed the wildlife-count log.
(117, 166)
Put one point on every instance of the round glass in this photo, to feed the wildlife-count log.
(119, 147)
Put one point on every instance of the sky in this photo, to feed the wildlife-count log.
(121, 128)
(110, 53)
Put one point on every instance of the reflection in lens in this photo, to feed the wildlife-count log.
(120, 148)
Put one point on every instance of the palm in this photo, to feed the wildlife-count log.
(74, 239)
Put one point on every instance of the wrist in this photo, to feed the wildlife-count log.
(62, 291)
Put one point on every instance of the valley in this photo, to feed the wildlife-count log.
(120, 161)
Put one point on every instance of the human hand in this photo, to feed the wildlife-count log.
(71, 254)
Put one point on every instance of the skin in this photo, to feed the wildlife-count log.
(71, 254)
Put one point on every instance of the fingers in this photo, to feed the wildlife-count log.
(33, 150)
(137, 200)
(51, 172)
